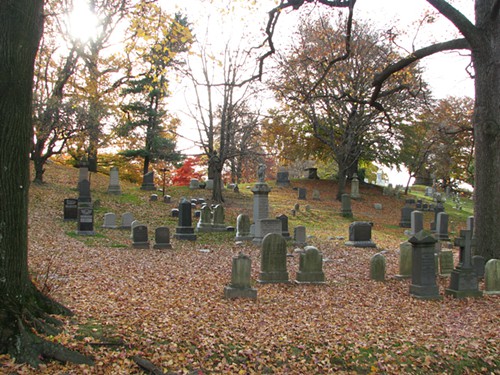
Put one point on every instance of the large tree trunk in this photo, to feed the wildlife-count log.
(22, 307)
(487, 136)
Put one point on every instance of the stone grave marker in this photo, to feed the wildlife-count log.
(174, 212)
(360, 234)
(184, 229)
(153, 197)
(346, 210)
(148, 181)
(243, 228)
(273, 260)
(209, 184)
(470, 224)
(310, 267)
(282, 178)
(260, 206)
(463, 280)
(299, 235)
(377, 267)
(378, 206)
(218, 219)
(296, 207)
(302, 193)
(284, 226)
(417, 222)
(85, 222)
(405, 221)
(492, 277)
(205, 222)
(162, 238)
(194, 184)
(70, 209)
(167, 199)
(405, 263)
(423, 275)
(114, 182)
(127, 219)
(140, 237)
(84, 197)
(437, 209)
(109, 220)
(267, 226)
(240, 286)
(355, 187)
(83, 173)
(446, 263)
(442, 227)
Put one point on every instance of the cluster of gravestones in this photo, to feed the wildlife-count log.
(273, 268)
(413, 217)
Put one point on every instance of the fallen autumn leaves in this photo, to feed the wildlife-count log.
(167, 306)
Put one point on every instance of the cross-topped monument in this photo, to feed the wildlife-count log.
(463, 280)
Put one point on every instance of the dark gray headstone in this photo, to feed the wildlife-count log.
(478, 263)
(162, 238)
(127, 219)
(114, 182)
(148, 181)
(85, 221)
(184, 229)
(282, 178)
(310, 267)
(140, 237)
(360, 234)
(302, 193)
(442, 227)
(284, 226)
(299, 235)
(405, 221)
(423, 275)
(346, 209)
(84, 192)
(167, 199)
(70, 209)
(240, 286)
(174, 212)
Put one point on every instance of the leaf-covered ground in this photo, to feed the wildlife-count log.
(167, 306)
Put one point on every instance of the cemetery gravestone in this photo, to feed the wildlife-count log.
(127, 219)
(360, 234)
(243, 228)
(148, 181)
(240, 286)
(273, 260)
(478, 265)
(463, 280)
(194, 184)
(260, 206)
(316, 195)
(267, 226)
(405, 263)
(302, 193)
(423, 275)
(70, 209)
(209, 184)
(83, 174)
(205, 222)
(442, 227)
(140, 237)
(153, 197)
(282, 178)
(84, 197)
(417, 222)
(355, 187)
(446, 264)
(162, 238)
(405, 221)
(346, 210)
(184, 229)
(109, 220)
(85, 221)
(284, 226)
(174, 212)
(218, 219)
(377, 267)
(167, 199)
(492, 277)
(114, 182)
(310, 267)
(299, 235)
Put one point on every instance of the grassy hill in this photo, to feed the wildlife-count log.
(167, 305)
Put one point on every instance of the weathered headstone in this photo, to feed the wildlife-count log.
(205, 222)
(209, 184)
(417, 222)
(405, 263)
(140, 237)
(114, 182)
(167, 199)
(85, 221)
(463, 280)
(83, 173)
(273, 259)
(240, 286)
(153, 197)
(194, 184)
(260, 206)
(184, 229)
(282, 178)
(299, 235)
(405, 221)
(70, 209)
(423, 275)
(174, 212)
(243, 228)
(127, 219)
(316, 195)
(284, 226)
(360, 234)
(162, 238)
(84, 193)
(446, 263)
(218, 219)
(377, 267)
(378, 206)
(109, 220)
(442, 227)
(470, 224)
(346, 210)
(267, 226)
(355, 187)
(437, 209)
(492, 277)
(302, 193)
(310, 267)
(148, 181)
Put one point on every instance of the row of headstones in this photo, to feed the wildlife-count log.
(273, 268)
(418, 260)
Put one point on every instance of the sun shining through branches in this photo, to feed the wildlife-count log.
(83, 23)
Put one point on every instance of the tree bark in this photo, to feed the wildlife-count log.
(23, 309)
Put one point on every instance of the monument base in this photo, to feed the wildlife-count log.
(425, 292)
(463, 283)
(361, 244)
(273, 277)
(310, 278)
(233, 293)
(185, 233)
(140, 245)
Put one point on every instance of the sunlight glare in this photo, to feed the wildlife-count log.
(83, 22)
